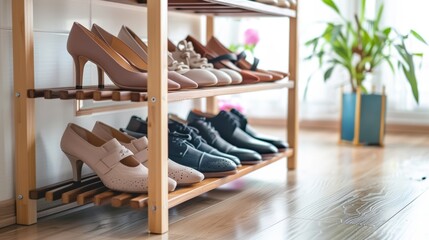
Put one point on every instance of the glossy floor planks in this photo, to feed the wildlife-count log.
(337, 192)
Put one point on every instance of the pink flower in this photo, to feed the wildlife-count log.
(251, 37)
(228, 105)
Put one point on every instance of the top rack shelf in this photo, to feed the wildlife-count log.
(221, 7)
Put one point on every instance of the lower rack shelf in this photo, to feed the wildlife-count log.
(92, 190)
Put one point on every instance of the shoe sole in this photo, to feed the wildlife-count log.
(268, 156)
(219, 174)
(250, 162)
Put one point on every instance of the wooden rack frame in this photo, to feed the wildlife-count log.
(158, 200)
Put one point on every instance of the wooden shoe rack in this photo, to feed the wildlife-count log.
(91, 190)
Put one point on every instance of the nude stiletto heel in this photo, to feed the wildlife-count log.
(79, 63)
(100, 72)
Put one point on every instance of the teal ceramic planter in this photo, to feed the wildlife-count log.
(363, 118)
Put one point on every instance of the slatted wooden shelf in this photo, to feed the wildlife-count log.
(115, 94)
(92, 190)
(221, 7)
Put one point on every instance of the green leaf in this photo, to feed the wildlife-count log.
(420, 38)
(390, 64)
(312, 41)
(418, 54)
(307, 84)
(362, 10)
(328, 74)
(411, 77)
(331, 4)
(378, 18)
(387, 31)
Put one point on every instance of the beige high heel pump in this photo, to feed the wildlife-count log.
(136, 60)
(84, 46)
(181, 174)
(116, 166)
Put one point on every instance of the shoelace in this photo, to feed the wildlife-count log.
(180, 139)
(213, 133)
(193, 59)
(229, 119)
(190, 132)
(240, 116)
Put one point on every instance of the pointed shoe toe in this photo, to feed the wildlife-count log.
(183, 175)
(172, 85)
(222, 77)
(236, 78)
(203, 78)
(184, 82)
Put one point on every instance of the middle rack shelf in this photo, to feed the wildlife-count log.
(116, 94)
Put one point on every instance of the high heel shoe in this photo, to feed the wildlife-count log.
(126, 52)
(113, 163)
(84, 46)
(201, 77)
(177, 173)
(184, 52)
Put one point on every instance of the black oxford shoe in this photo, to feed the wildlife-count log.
(229, 130)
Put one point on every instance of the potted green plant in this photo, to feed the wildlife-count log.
(359, 46)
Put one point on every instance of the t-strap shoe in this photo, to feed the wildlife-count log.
(139, 146)
(116, 165)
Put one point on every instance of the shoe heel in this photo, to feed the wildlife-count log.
(100, 72)
(76, 164)
(79, 63)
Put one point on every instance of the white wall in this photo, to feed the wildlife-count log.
(54, 68)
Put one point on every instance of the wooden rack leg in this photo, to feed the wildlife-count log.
(212, 105)
(23, 70)
(293, 100)
(209, 27)
(211, 102)
(157, 114)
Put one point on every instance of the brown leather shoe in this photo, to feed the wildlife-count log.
(222, 61)
(215, 45)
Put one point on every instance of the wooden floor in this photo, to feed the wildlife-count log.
(337, 192)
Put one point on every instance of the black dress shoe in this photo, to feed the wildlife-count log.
(183, 152)
(243, 124)
(197, 141)
(229, 130)
(212, 137)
